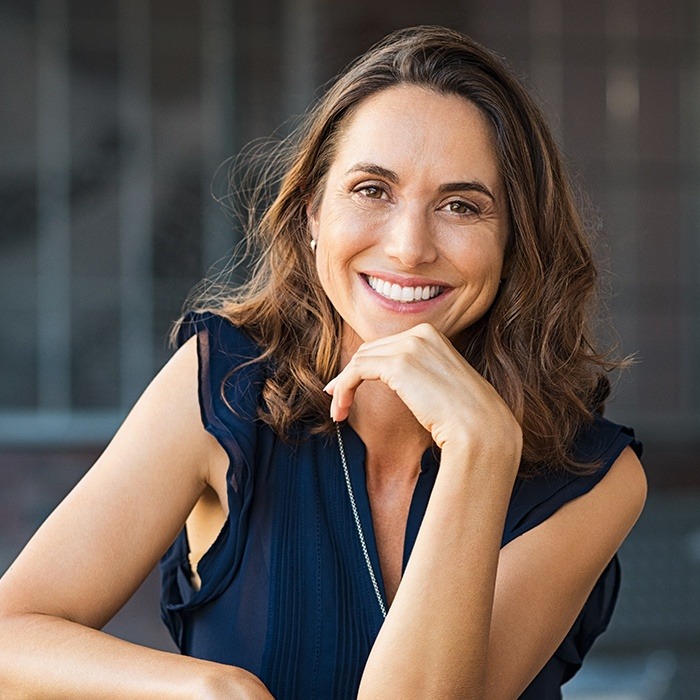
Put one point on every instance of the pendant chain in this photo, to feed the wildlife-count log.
(360, 534)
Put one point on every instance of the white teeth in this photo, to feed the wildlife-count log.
(403, 294)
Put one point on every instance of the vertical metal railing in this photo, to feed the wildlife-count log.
(53, 165)
(689, 158)
(135, 199)
(55, 418)
(547, 58)
(622, 166)
(218, 124)
(299, 54)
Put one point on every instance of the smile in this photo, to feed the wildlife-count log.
(404, 294)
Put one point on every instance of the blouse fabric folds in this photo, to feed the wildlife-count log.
(285, 592)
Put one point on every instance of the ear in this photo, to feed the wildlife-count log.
(312, 218)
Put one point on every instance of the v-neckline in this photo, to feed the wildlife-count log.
(356, 453)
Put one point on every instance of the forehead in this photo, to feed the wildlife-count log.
(419, 129)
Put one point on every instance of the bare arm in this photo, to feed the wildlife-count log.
(459, 627)
(470, 620)
(546, 575)
(434, 642)
(97, 547)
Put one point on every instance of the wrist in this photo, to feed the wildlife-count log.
(491, 453)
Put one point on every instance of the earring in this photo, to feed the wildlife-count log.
(313, 245)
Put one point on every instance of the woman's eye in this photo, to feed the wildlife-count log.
(371, 191)
(459, 207)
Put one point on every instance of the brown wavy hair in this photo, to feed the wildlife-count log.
(534, 345)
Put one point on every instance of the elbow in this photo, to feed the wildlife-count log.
(13, 626)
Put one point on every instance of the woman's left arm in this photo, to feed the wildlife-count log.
(470, 620)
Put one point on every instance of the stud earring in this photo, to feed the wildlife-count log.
(313, 245)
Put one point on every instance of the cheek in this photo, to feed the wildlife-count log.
(479, 259)
(335, 248)
(342, 235)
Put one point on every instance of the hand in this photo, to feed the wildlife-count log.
(448, 397)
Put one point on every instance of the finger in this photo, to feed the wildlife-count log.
(344, 386)
(399, 371)
(422, 330)
(382, 347)
(421, 342)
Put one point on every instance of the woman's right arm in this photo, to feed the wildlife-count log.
(96, 548)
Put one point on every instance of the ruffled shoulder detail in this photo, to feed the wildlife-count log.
(535, 500)
(230, 380)
(230, 383)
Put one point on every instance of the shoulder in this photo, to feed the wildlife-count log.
(220, 333)
(589, 514)
(168, 414)
(230, 371)
(557, 576)
(602, 440)
(601, 443)
(619, 482)
(609, 510)
(564, 556)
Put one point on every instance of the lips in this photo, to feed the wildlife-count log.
(404, 294)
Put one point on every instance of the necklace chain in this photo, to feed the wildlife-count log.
(355, 514)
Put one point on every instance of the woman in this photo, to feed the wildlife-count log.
(448, 528)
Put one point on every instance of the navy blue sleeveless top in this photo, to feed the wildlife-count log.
(285, 592)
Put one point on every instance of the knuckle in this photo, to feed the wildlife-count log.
(358, 359)
(425, 330)
(415, 343)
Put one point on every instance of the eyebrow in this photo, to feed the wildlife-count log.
(377, 170)
(473, 185)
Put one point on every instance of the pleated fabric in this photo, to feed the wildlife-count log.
(285, 592)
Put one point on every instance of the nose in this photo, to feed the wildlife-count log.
(410, 238)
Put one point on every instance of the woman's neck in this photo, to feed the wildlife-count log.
(394, 439)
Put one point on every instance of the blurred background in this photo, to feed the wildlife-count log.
(116, 118)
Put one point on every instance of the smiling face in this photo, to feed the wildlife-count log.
(412, 222)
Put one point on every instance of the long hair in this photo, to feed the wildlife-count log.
(534, 345)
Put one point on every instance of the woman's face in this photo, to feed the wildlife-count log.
(412, 223)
